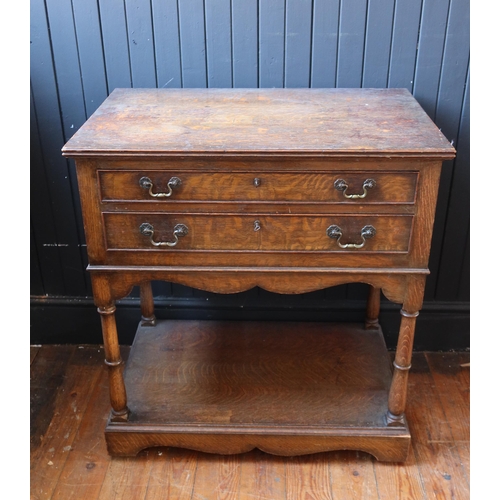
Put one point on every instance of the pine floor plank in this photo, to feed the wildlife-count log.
(71, 400)
(172, 474)
(262, 476)
(33, 352)
(70, 403)
(399, 481)
(433, 441)
(65, 378)
(308, 477)
(455, 402)
(127, 478)
(46, 376)
(84, 471)
(353, 475)
(452, 381)
(83, 474)
(463, 376)
(442, 473)
(217, 477)
(463, 451)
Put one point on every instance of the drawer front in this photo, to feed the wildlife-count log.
(200, 232)
(166, 187)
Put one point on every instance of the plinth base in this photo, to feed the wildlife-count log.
(285, 388)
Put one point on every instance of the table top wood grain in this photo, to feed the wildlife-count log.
(329, 122)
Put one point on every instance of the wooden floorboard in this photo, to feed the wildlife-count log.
(433, 441)
(352, 475)
(70, 405)
(33, 352)
(172, 474)
(82, 371)
(47, 373)
(263, 476)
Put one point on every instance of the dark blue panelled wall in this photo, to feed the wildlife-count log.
(82, 49)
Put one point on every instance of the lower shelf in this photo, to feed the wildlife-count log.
(285, 388)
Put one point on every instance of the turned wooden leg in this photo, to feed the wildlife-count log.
(147, 305)
(372, 308)
(402, 361)
(113, 360)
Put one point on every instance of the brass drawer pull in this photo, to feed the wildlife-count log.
(147, 229)
(335, 233)
(147, 183)
(341, 185)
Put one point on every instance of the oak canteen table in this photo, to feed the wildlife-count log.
(290, 190)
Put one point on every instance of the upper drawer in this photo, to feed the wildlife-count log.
(167, 186)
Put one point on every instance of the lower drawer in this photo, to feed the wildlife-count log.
(160, 232)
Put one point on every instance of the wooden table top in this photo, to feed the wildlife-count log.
(329, 122)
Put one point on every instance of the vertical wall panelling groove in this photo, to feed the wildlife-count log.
(391, 42)
(192, 30)
(338, 45)
(418, 46)
(91, 57)
(351, 43)
(455, 234)
(464, 285)
(155, 65)
(379, 24)
(71, 94)
(297, 43)
(324, 44)
(41, 214)
(36, 280)
(54, 111)
(101, 37)
(180, 44)
(447, 115)
(245, 52)
(141, 43)
(271, 40)
(365, 30)
(115, 44)
(443, 60)
(311, 44)
(284, 41)
(218, 38)
(258, 42)
(166, 43)
(205, 40)
(67, 66)
(231, 57)
(128, 42)
(430, 54)
(78, 58)
(406, 27)
(426, 84)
